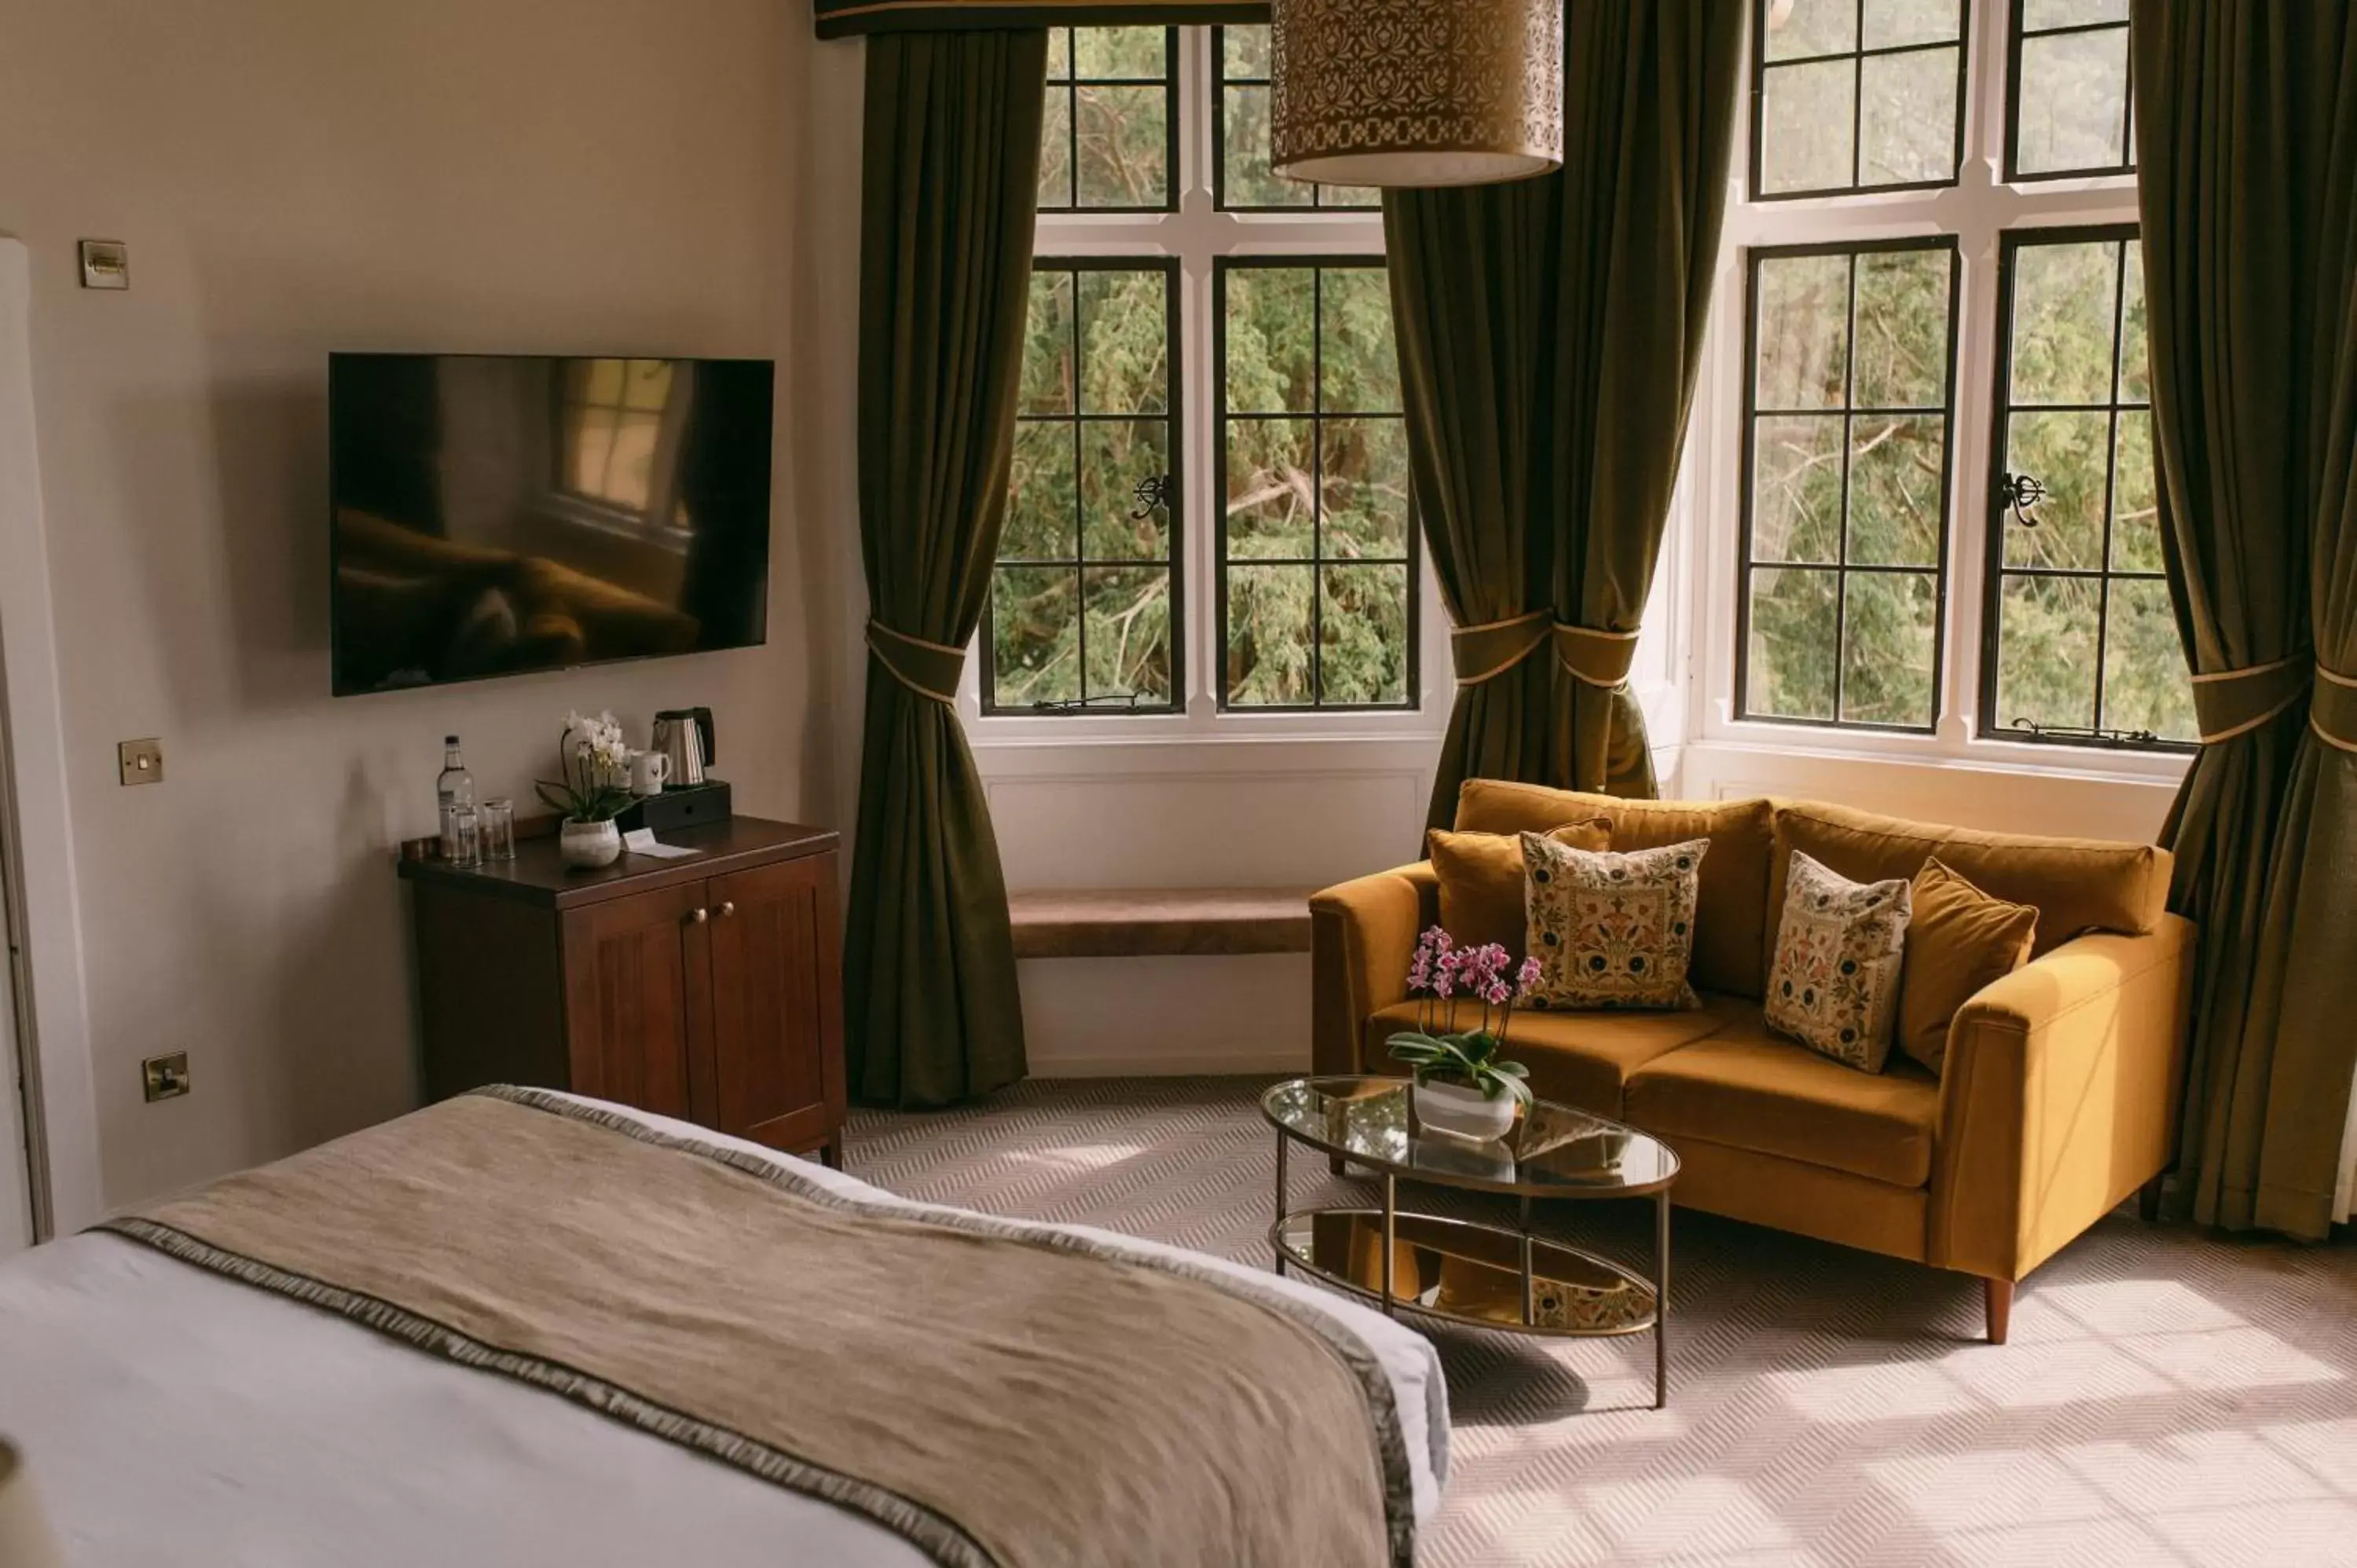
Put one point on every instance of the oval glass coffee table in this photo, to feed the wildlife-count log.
(1486, 1276)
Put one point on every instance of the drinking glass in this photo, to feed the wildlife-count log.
(465, 836)
(496, 829)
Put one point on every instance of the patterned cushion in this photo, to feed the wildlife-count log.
(1612, 930)
(1834, 985)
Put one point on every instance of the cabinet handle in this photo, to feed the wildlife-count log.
(726, 909)
(700, 916)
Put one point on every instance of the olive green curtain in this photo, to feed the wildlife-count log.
(951, 187)
(2248, 146)
(1549, 333)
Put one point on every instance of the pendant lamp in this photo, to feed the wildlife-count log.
(1416, 93)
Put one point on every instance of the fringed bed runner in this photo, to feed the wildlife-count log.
(995, 1393)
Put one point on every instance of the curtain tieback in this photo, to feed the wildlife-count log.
(2332, 708)
(2229, 702)
(929, 668)
(1600, 658)
(1488, 650)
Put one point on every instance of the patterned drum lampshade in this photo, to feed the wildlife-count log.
(1416, 93)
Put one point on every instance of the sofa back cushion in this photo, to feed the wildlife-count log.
(2076, 884)
(1730, 912)
(1482, 880)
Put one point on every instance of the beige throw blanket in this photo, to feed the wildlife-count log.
(995, 1397)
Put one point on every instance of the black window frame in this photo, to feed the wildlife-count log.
(1222, 267)
(1996, 572)
(1858, 55)
(1841, 566)
(1070, 87)
(1174, 504)
(2017, 30)
(1221, 82)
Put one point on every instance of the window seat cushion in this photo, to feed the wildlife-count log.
(1138, 923)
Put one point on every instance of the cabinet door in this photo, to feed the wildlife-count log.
(627, 1001)
(776, 1023)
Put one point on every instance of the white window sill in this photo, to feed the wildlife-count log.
(1959, 752)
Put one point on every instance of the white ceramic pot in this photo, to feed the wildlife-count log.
(1464, 1112)
(589, 844)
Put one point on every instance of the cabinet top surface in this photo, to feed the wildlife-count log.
(538, 875)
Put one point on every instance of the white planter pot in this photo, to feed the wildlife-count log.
(589, 844)
(1464, 1112)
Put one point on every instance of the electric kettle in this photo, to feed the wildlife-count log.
(684, 735)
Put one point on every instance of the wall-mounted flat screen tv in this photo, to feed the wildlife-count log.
(495, 514)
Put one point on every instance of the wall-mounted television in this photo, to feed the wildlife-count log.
(494, 514)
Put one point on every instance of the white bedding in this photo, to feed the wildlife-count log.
(171, 1416)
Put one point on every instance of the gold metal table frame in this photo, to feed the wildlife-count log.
(1466, 1271)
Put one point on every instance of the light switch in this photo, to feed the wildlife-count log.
(105, 264)
(140, 762)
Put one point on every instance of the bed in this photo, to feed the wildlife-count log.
(171, 1414)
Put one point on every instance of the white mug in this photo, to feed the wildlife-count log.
(649, 773)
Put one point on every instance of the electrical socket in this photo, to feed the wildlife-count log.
(166, 1076)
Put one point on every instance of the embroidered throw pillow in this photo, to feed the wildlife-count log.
(1958, 939)
(1612, 930)
(1834, 985)
(1480, 877)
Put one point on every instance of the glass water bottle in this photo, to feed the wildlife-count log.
(456, 789)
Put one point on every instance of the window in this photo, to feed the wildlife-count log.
(1912, 349)
(2081, 643)
(1086, 591)
(612, 425)
(1245, 180)
(1242, 561)
(1109, 141)
(2070, 107)
(1848, 414)
(1315, 569)
(1851, 95)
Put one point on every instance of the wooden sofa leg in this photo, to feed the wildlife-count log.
(2148, 1201)
(1339, 1165)
(1996, 1299)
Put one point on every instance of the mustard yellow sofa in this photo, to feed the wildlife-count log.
(2059, 1097)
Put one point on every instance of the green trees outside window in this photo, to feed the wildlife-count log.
(1848, 410)
(2082, 643)
(1084, 599)
(1316, 565)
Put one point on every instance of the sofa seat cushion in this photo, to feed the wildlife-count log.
(1576, 1058)
(1731, 928)
(1745, 1088)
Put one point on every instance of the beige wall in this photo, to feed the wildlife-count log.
(294, 177)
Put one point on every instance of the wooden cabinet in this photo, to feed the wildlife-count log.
(706, 988)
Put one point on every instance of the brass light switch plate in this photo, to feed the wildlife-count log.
(140, 762)
(105, 264)
(165, 1077)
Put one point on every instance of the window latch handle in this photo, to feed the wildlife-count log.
(2019, 493)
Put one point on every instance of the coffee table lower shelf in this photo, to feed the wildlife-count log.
(1463, 1272)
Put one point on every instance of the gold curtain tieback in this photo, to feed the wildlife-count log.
(1597, 658)
(2332, 708)
(929, 668)
(2228, 703)
(1486, 651)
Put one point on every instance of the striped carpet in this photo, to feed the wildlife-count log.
(2170, 1396)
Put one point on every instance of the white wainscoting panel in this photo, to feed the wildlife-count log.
(2064, 804)
(1150, 1017)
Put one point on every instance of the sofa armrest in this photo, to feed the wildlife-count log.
(2060, 1097)
(1361, 935)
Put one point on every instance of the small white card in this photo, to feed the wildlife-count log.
(641, 841)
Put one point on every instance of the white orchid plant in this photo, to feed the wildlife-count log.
(596, 764)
